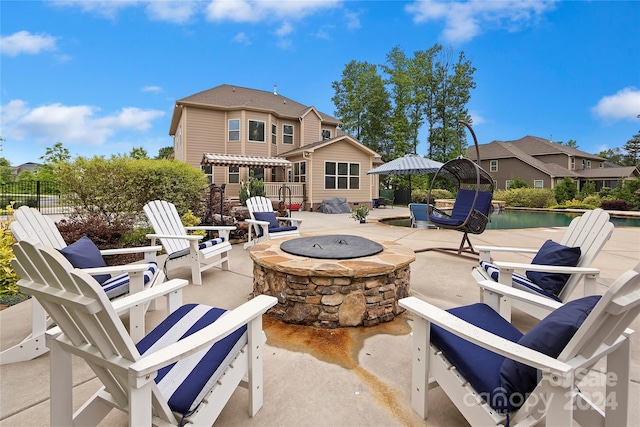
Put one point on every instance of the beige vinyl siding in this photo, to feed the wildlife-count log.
(311, 128)
(234, 147)
(282, 147)
(203, 133)
(341, 151)
(512, 168)
(178, 142)
(559, 159)
(253, 148)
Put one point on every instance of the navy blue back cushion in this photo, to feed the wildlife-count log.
(85, 254)
(479, 366)
(550, 337)
(267, 216)
(552, 253)
(463, 204)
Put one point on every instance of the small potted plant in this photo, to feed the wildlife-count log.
(360, 213)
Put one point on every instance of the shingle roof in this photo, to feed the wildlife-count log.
(234, 97)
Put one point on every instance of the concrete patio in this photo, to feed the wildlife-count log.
(338, 377)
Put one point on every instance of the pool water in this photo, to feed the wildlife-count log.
(505, 220)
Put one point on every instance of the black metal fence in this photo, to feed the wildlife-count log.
(42, 195)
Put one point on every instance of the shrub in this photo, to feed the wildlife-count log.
(420, 196)
(439, 193)
(565, 190)
(615, 205)
(593, 200)
(588, 189)
(526, 197)
(8, 277)
(518, 183)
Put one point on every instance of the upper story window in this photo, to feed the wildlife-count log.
(208, 171)
(256, 131)
(287, 134)
(588, 164)
(234, 130)
(274, 134)
(493, 166)
(326, 134)
(573, 163)
(341, 175)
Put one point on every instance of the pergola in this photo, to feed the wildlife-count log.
(237, 160)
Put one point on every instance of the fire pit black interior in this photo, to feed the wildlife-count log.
(341, 246)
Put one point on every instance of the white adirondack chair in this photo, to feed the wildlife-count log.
(264, 225)
(467, 373)
(30, 224)
(589, 231)
(184, 249)
(170, 377)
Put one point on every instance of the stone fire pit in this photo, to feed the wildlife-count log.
(332, 293)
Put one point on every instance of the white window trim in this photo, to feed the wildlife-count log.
(229, 173)
(507, 183)
(348, 176)
(264, 131)
(493, 166)
(284, 135)
(541, 181)
(229, 130)
(274, 133)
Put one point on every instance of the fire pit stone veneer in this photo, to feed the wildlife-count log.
(332, 293)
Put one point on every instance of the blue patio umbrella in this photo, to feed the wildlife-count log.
(409, 164)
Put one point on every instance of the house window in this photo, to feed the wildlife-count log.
(234, 130)
(257, 173)
(588, 164)
(208, 171)
(493, 166)
(601, 164)
(508, 183)
(300, 171)
(326, 134)
(287, 134)
(341, 175)
(274, 132)
(495, 184)
(573, 163)
(538, 183)
(256, 131)
(234, 175)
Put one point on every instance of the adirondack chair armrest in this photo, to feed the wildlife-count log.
(223, 230)
(485, 339)
(173, 236)
(546, 268)
(228, 323)
(516, 294)
(117, 269)
(294, 221)
(121, 305)
(485, 251)
(133, 250)
(255, 221)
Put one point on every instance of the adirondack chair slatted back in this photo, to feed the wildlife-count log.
(30, 224)
(91, 327)
(617, 308)
(165, 219)
(590, 232)
(259, 204)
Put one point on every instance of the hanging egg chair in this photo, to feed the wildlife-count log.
(473, 187)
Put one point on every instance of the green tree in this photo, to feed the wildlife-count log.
(138, 153)
(632, 147)
(518, 183)
(565, 190)
(165, 153)
(614, 155)
(5, 171)
(53, 157)
(362, 104)
(571, 143)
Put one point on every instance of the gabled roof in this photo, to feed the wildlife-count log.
(536, 146)
(319, 144)
(228, 97)
(613, 173)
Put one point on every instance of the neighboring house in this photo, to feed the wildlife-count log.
(232, 132)
(29, 166)
(542, 164)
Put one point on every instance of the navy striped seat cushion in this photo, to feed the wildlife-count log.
(185, 383)
(477, 365)
(518, 281)
(119, 285)
(201, 245)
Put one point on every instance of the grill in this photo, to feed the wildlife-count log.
(342, 246)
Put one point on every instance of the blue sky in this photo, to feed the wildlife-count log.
(102, 76)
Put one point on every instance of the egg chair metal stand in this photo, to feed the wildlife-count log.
(474, 192)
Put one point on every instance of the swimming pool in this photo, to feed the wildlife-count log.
(508, 219)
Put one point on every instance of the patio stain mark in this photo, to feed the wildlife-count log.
(341, 346)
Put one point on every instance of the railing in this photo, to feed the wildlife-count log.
(42, 195)
(273, 191)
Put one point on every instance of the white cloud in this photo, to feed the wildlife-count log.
(155, 89)
(106, 8)
(159, 10)
(477, 118)
(71, 124)
(353, 20)
(242, 38)
(624, 105)
(177, 12)
(27, 43)
(466, 20)
(265, 10)
(284, 30)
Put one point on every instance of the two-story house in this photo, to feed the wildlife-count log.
(233, 132)
(542, 164)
